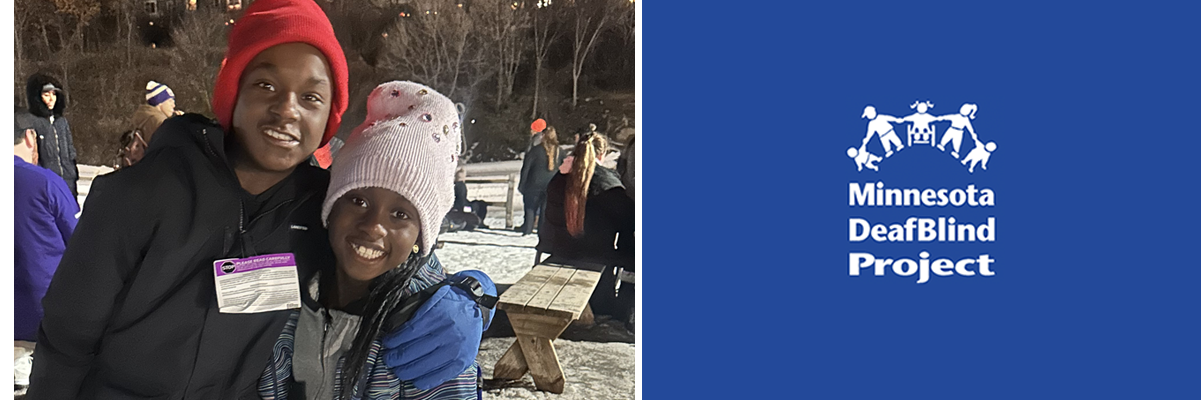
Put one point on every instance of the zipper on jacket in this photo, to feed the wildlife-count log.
(321, 351)
(208, 147)
(242, 230)
(248, 249)
(241, 217)
(207, 144)
(58, 158)
(247, 244)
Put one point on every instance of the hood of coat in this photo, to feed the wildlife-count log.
(604, 179)
(33, 93)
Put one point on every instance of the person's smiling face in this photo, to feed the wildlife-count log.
(372, 230)
(283, 105)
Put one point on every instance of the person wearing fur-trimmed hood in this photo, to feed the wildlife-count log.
(56, 149)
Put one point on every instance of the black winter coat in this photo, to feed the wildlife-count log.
(608, 213)
(132, 313)
(534, 173)
(56, 148)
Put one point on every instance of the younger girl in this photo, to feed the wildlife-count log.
(390, 187)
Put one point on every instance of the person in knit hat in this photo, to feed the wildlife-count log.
(536, 129)
(133, 310)
(536, 137)
(160, 105)
(538, 167)
(391, 186)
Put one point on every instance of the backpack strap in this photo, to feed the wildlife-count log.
(409, 305)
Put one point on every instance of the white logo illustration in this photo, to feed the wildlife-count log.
(921, 130)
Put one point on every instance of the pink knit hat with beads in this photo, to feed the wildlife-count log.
(409, 144)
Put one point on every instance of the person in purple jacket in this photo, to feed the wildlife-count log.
(43, 219)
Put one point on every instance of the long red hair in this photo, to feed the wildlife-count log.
(590, 147)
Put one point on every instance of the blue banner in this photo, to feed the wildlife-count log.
(921, 200)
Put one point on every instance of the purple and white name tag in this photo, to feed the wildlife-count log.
(257, 284)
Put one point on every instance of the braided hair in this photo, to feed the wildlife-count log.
(384, 295)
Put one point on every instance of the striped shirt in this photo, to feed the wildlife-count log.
(381, 383)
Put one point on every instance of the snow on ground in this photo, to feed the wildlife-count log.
(593, 371)
(501, 253)
(84, 184)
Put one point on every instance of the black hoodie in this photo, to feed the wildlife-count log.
(56, 149)
(131, 312)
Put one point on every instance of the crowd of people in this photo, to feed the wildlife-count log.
(222, 261)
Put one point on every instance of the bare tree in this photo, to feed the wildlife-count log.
(362, 29)
(33, 22)
(125, 11)
(502, 25)
(542, 41)
(590, 18)
(624, 22)
(435, 46)
(21, 19)
(82, 11)
(196, 57)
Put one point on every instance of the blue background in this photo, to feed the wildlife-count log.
(748, 111)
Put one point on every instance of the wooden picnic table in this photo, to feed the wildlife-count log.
(540, 306)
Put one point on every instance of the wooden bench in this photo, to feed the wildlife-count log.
(495, 189)
(540, 306)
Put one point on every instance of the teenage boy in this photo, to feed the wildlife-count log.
(135, 310)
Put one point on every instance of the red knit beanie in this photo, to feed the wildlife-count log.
(268, 23)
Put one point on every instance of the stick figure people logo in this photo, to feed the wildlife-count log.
(921, 130)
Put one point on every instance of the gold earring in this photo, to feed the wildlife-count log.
(416, 249)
